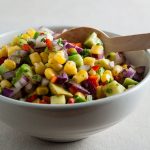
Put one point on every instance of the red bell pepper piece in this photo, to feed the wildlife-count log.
(31, 98)
(94, 80)
(2, 59)
(95, 68)
(71, 101)
(48, 43)
(26, 47)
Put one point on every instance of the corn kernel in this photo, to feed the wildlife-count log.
(125, 66)
(31, 32)
(49, 73)
(35, 58)
(4, 52)
(13, 49)
(70, 68)
(25, 36)
(80, 76)
(5, 84)
(59, 57)
(97, 49)
(105, 78)
(99, 92)
(108, 72)
(55, 65)
(44, 57)
(42, 90)
(51, 55)
(92, 72)
(116, 70)
(89, 61)
(71, 50)
(9, 64)
(39, 68)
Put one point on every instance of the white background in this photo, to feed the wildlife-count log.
(119, 16)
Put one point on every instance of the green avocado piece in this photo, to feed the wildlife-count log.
(129, 81)
(77, 59)
(79, 99)
(3, 69)
(57, 90)
(92, 40)
(113, 88)
(59, 99)
(24, 69)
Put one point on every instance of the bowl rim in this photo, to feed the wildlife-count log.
(77, 105)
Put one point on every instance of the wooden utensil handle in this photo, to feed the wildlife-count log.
(129, 43)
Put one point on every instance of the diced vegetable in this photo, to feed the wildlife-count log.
(92, 40)
(59, 99)
(70, 68)
(129, 81)
(77, 59)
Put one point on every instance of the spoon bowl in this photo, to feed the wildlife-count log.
(115, 44)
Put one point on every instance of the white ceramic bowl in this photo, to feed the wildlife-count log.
(73, 122)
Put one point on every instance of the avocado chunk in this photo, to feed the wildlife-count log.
(129, 81)
(25, 70)
(79, 99)
(3, 69)
(57, 90)
(59, 99)
(105, 63)
(92, 40)
(77, 59)
(113, 88)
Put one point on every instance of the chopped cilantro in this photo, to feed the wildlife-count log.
(43, 39)
(60, 42)
(36, 35)
(85, 52)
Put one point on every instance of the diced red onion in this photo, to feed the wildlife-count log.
(44, 82)
(84, 67)
(21, 83)
(120, 58)
(8, 75)
(128, 73)
(77, 87)
(98, 56)
(62, 78)
(68, 45)
(7, 92)
(20, 53)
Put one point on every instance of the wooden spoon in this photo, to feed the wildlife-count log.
(115, 44)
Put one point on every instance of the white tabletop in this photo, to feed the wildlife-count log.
(122, 17)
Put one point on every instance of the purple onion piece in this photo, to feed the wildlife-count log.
(68, 45)
(21, 83)
(90, 86)
(98, 56)
(138, 77)
(20, 53)
(7, 92)
(8, 75)
(62, 78)
(120, 58)
(77, 87)
(128, 73)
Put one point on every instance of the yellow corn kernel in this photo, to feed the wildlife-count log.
(5, 84)
(4, 51)
(125, 66)
(55, 65)
(80, 76)
(59, 57)
(31, 32)
(49, 73)
(92, 72)
(72, 50)
(51, 55)
(89, 61)
(108, 72)
(25, 36)
(116, 70)
(9, 64)
(99, 92)
(13, 49)
(44, 57)
(70, 68)
(80, 95)
(35, 58)
(97, 49)
(39, 68)
(105, 78)
(42, 90)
